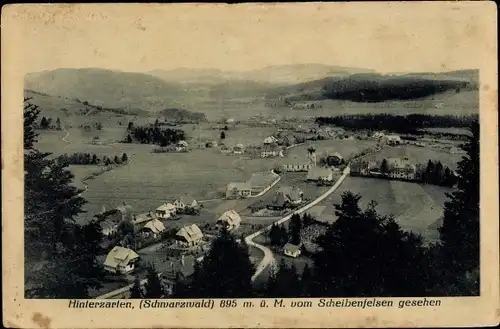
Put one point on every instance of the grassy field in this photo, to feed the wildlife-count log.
(417, 155)
(415, 207)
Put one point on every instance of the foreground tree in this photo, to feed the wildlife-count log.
(136, 290)
(60, 256)
(226, 270)
(365, 254)
(458, 252)
(284, 282)
(153, 287)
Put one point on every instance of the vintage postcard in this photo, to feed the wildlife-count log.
(301, 165)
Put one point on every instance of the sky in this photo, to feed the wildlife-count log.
(385, 37)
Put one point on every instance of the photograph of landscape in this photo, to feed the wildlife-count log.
(304, 178)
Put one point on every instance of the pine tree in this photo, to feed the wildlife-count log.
(94, 159)
(153, 287)
(58, 124)
(384, 167)
(136, 290)
(226, 270)
(306, 282)
(294, 229)
(116, 159)
(286, 281)
(129, 139)
(429, 172)
(130, 125)
(459, 235)
(124, 158)
(44, 123)
(222, 135)
(60, 256)
(31, 113)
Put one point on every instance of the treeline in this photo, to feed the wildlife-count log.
(408, 124)
(183, 116)
(81, 158)
(48, 123)
(363, 88)
(154, 134)
(437, 174)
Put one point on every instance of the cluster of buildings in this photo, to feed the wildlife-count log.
(396, 168)
(285, 198)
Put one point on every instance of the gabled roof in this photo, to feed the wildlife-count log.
(280, 199)
(336, 154)
(155, 226)
(166, 207)
(190, 233)
(186, 199)
(291, 248)
(141, 218)
(120, 256)
(293, 193)
(230, 217)
(184, 266)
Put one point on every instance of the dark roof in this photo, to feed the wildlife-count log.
(176, 266)
(280, 199)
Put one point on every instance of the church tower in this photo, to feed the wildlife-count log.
(311, 155)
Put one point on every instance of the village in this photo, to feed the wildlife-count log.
(178, 232)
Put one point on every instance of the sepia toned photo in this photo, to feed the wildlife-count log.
(287, 162)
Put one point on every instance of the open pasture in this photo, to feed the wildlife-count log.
(417, 155)
(238, 134)
(415, 207)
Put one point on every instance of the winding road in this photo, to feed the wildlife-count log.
(268, 255)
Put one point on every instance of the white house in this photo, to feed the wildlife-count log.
(121, 260)
(270, 140)
(230, 219)
(181, 146)
(165, 211)
(238, 190)
(185, 201)
(291, 250)
(238, 149)
(269, 151)
(393, 139)
(319, 174)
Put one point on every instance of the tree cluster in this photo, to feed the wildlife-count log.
(405, 124)
(80, 158)
(437, 174)
(47, 123)
(151, 134)
(279, 235)
(371, 88)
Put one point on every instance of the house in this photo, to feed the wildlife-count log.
(393, 140)
(189, 236)
(185, 202)
(153, 228)
(270, 140)
(121, 260)
(295, 194)
(230, 120)
(377, 135)
(319, 174)
(108, 227)
(238, 190)
(230, 219)
(238, 149)
(143, 218)
(165, 211)
(280, 201)
(334, 159)
(291, 250)
(269, 151)
(178, 270)
(225, 150)
(211, 144)
(181, 146)
(401, 168)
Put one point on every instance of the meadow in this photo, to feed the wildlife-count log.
(416, 207)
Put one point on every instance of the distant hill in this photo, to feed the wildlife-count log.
(114, 89)
(271, 75)
(373, 87)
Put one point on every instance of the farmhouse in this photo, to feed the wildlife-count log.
(185, 202)
(120, 260)
(295, 194)
(238, 149)
(181, 146)
(393, 140)
(142, 218)
(189, 235)
(271, 151)
(319, 174)
(238, 190)
(178, 270)
(335, 159)
(230, 219)
(230, 120)
(270, 140)
(291, 250)
(153, 228)
(165, 211)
